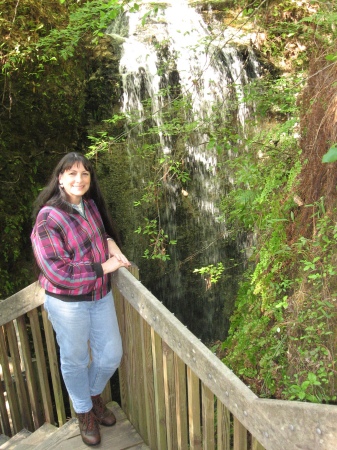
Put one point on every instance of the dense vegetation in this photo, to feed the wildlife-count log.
(50, 84)
(282, 338)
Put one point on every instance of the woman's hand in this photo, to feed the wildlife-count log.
(115, 263)
(114, 250)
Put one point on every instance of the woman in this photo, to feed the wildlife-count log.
(75, 248)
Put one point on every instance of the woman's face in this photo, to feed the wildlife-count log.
(76, 182)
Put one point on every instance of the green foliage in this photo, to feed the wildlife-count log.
(281, 337)
(211, 273)
(55, 38)
(42, 93)
(304, 390)
(324, 20)
(158, 240)
(283, 326)
(87, 19)
(287, 36)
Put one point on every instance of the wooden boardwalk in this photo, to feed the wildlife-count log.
(121, 436)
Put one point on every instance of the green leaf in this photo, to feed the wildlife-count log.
(331, 155)
(312, 377)
(331, 57)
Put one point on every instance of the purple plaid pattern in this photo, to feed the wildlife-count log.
(69, 250)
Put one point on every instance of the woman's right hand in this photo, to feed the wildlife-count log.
(114, 263)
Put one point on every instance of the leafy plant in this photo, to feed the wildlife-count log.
(211, 273)
(158, 240)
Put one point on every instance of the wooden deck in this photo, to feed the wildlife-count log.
(121, 436)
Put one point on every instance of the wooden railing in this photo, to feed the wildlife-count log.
(31, 380)
(174, 390)
(31, 389)
(179, 395)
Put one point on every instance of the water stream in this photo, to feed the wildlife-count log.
(171, 54)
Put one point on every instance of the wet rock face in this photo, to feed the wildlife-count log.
(173, 58)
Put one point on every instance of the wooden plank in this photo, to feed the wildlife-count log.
(138, 374)
(169, 391)
(20, 303)
(60, 438)
(256, 444)
(151, 432)
(107, 394)
(158, 373)
(310, 425)
(16, 440)
(41, 366)
(181, 404)
(122, 370)
(9, 385)
(3, 439)
(34, 439)
(24, 405)
(4, 425)
(193, 394)
(223, 427)
(54, 368)
(138, 378)
(131, 366)
(208, 428)
(72, 411)
(31, 378)
(240, 435)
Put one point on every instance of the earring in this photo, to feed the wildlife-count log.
(61, 185)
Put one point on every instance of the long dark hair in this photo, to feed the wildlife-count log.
(53, 195)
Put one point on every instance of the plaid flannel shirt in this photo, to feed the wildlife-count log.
(69, 250)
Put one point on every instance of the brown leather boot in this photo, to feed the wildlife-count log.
(89, 428)
(103, 414)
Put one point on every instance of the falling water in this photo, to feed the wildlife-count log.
(209, 72)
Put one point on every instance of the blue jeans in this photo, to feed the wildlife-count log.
(78, 325)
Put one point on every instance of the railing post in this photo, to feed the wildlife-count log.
(193, 390)
(181, 403)
(240, 435)
(223, 427)
(11, 394)
(41, 366)
(207, 418)
(30, 373)
(157, 355)
(169, 391)
(54, 370)
(256, 444)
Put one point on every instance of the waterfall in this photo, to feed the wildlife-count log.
(174, 55)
